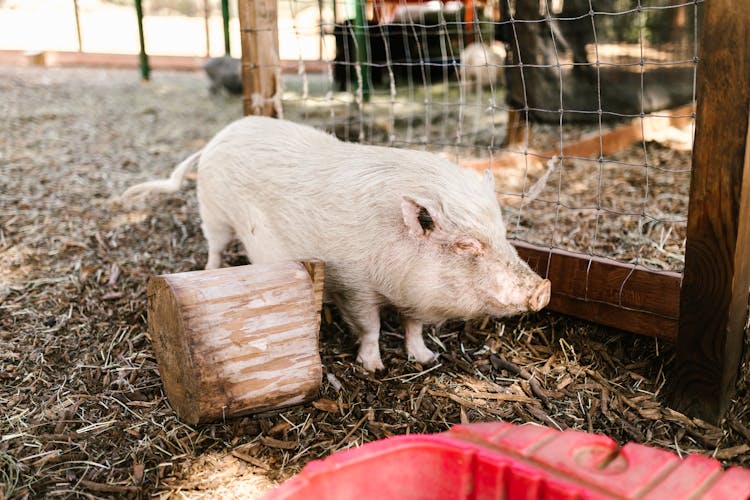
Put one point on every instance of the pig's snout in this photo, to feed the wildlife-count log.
(540, 296)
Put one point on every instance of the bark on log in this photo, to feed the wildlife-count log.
(237, 340)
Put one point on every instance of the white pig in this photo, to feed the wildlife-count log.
(395, 227)
(482, 64)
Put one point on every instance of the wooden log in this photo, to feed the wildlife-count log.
(714, 298)
(237, 340)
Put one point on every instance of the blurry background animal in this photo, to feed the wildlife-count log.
(225, 73)
(482, 64)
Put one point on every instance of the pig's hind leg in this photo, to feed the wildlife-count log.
(415, 346)
(218, 234)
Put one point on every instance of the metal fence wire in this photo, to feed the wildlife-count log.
(605, 86)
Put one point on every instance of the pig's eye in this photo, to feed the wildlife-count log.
(425, 220)
(469, 245)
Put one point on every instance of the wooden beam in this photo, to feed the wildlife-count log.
(591, 146)
(55, 58)
(638, 129)
(605, 291)
(261, 69)
(717, 257)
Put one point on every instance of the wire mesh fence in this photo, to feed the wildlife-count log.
(606, 86)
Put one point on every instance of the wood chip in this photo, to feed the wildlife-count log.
(353, 430)
(139, 470)
(499, 396)
(109, 488)
(465, 402)
(277, 443)
(279, 428)
(334, 381)
(114, 274)
(327, 405)
(250, 459)
(464, 418)
(733, 452)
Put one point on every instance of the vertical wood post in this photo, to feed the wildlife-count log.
(261, 70)
(78, 26)
(206, 27)
(714, 297)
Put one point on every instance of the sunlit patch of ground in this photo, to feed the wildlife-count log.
(218, 476)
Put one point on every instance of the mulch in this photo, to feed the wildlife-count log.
(84, 410)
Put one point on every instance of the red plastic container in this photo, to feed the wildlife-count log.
(504, 461)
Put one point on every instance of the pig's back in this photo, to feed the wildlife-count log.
(292, 192)
(269, 157)
(278, 164)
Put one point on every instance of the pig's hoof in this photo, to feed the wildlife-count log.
(371, 364)
(423, 356)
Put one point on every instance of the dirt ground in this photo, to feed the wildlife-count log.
(84, 411)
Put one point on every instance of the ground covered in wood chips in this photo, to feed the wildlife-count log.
(83, 411)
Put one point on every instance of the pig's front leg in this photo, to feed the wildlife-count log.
(369, 348)
(415, 343)
(363, 317)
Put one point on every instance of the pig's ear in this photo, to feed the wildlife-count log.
(468, 246)
(489, 179)
(419, 220)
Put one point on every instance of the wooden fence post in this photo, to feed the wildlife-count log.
(206, 27)
(261, 69)
(78, 25)
(714, 297)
